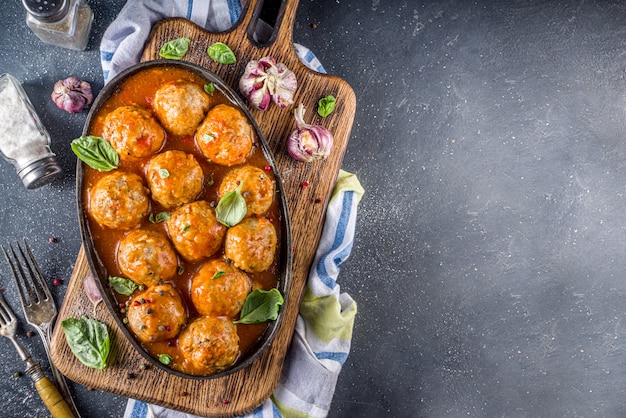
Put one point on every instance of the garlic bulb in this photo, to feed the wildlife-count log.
(72, 94)
(265, 80)
(309, 142)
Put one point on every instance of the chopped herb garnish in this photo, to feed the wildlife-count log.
(218, 274)
(209, 88)
(164, 173)
(159, 217)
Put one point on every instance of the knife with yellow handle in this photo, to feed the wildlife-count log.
(48, 392)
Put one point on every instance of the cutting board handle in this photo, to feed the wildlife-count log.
(283, 28)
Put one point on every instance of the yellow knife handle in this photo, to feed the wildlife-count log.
(51, 396)
(48, 392)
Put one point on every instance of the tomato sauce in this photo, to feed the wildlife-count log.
(139, 89)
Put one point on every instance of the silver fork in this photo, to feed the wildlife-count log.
(48, 392)
(38, 305)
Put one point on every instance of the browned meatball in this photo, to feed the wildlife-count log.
(195, 231)
(174, 178)
(119, 200)
(225, 135)
(251, 244)
(133, 132)
(181, 106)
(210, 344)
(157, 314)
(146, 257)
(257, 189)
(219, 289)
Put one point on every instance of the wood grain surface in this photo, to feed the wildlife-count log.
(242, 391)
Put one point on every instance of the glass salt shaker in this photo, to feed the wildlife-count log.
(63, 23)
(24, 141)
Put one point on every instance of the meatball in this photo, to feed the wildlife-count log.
(174, 178)
(181, 106)
(133, 132)
(225, 135)
(257, 189)
(157, 314)
(219, 289)
(146, 257)
(194, 230)
(119, 200)
(251, 244)
(210, 344)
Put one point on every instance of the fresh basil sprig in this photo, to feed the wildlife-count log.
(123, 286)
(89, 340)
(231, 208)
(326, 105)
(260, 306)
(175, 49)
(96, 152)
(220, 52)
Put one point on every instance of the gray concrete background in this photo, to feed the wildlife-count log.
(488, 263)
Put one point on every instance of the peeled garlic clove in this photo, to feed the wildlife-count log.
(309, 142)
(265, 80)
(72, 94)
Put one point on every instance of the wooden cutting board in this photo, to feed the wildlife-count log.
(240, 392)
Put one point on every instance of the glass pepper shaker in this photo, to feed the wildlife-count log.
(63, 23)
(24, 141)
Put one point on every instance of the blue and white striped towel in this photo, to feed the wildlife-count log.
(323, 333)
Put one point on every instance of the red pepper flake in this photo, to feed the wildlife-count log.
(225, 401)
(313, 25)
(318, 200)
(304, 184)
(52, 240)
(183, 393)
(57, 282)
(271, 220)
(136, 303)
(267, 168)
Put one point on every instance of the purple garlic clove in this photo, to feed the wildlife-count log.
(72, 94)
(309, 142)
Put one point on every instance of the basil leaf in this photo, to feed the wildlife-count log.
(124, 286)
(89, 341)
(221, 53)
(165, 359)
(231, 208)
(96, 152)
(260, 306)
(209, 88)
(326, 105)
(176, 49)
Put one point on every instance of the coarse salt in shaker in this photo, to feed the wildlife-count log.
(24, 141)
(64, 23)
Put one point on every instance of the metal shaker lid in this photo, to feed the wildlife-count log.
(40, 172)
(47, 10)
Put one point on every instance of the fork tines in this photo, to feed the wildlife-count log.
(36, 288)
